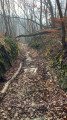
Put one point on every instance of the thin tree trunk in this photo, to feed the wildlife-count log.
(40, 14)
(65, 14)
(4, 16)
(62, 25)
(51, 11)
(34, 34)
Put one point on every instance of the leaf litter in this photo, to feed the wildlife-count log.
(34, 94)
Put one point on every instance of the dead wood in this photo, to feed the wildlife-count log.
(6, 86)
(44, 32)
(34, 34)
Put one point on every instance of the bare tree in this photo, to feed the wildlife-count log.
(65, 14)
(62, 24)
(4, 16)
(51, 11)
(40, 14)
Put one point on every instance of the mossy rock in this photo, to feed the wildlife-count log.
(8, 53)
(13, 51)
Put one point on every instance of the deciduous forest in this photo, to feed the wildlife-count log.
(33, 59)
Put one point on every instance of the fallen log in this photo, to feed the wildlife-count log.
(38, 33)
(4, 90)
(34, 34)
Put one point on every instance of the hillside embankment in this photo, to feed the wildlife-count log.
(8, 54)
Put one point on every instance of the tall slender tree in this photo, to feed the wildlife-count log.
(62, 25)
(40, 14)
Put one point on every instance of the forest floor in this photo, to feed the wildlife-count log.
(34, 94)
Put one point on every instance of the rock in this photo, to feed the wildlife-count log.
(33, 104)
(9, 108)
(16, 114)
(2, 111)
(5, 117)
(3, 114)
(27, 119)
(21, 119)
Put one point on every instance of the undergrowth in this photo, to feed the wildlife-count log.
(51, 49)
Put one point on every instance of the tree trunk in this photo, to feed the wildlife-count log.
(52, 14)
(4, 16)
(3, 92)
(65, 14)
(62, 25)
(40, 14)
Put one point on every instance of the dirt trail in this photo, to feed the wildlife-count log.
(34, 94)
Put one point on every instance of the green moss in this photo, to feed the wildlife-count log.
(60, 69)
(13, 49)
(8, 54)
(52, 50)
(48, 52)
(2, 71)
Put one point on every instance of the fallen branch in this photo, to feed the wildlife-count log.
(4, 90)
(40, 32)
(34, 34)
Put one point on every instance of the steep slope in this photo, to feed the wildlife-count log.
(8, 53)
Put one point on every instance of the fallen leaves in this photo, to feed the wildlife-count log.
(36, 97)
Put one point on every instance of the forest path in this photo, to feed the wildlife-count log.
(34, 94)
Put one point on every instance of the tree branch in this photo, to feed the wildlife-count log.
(34, 34)
(3, 92)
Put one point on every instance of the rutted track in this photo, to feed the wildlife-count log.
(33, 93)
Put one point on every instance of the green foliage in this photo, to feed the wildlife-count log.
(60, 67)
(52, 51)
(48, 52)
(63, 72)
